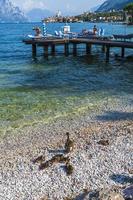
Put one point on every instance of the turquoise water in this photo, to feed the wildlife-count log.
(33, 91)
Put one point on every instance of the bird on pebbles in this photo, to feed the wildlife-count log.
(69, 145)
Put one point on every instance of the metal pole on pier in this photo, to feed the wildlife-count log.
(44, 29)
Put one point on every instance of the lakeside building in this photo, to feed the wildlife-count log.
(111, 16)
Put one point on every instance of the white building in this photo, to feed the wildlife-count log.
(58, 14)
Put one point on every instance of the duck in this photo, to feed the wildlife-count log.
(59, 158)
(39, 159)
(45, 165)
(69, 169)
(69, 146)
(103, 142)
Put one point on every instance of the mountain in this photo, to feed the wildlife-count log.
(94, 8)
(38, 14)
(10, 13)
(113, 4)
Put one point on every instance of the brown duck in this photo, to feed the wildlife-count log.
(69, 169)
(69, 146)
(56, 159)
(39, 159)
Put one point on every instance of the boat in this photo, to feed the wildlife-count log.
(80, 21)
(123, 37)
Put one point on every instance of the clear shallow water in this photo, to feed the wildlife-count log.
(41, 90)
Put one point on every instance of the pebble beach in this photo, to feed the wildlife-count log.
(101, 160)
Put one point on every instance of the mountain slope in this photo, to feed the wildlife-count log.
(10, 13)
(38, 14)
(113, 4)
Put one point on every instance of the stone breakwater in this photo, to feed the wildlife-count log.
(101, 160)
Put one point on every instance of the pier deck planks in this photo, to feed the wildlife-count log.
(110, 43)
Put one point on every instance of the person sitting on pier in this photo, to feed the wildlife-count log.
(38, 32)
(85, 32)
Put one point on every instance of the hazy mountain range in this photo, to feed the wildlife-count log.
(37, 14)
(113, 4)
(10, 13)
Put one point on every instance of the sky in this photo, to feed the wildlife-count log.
(75, 6)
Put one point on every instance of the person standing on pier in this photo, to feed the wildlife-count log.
(95, 30)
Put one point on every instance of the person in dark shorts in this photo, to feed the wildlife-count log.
(95, 30)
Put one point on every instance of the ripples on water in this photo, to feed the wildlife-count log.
(32, 91)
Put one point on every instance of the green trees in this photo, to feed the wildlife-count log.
(129, 9)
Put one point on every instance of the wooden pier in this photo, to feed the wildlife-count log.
(106, 45)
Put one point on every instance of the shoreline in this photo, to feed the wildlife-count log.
(93, 164)
(43, 100)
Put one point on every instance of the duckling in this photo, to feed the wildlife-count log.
(69, 169)
(130, 171)
(39, 159)
(44, 198)
(45, 165)
(69, 146)
(59, 158)
(69, 198)
(56, 159)
(103, 142)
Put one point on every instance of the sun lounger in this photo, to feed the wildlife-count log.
(95, 37)
(39, 37)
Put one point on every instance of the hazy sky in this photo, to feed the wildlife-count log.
(54, 5)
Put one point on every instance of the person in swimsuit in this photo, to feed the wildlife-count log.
(95, 30)
(37, 32)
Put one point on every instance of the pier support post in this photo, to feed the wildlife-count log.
(88, 48)
(53, 49)
(74, 49)
(66, 48)
(33, 50)
(45, 51)
(107, 53)
(103, 48)
(122, 52)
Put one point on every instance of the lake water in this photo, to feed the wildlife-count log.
(42, 90)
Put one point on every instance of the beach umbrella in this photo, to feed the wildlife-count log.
(44, 29)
